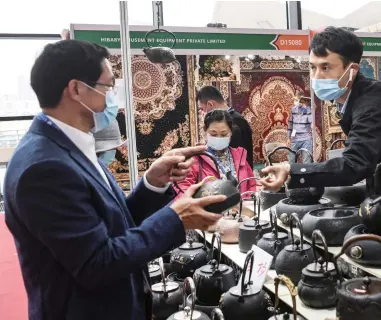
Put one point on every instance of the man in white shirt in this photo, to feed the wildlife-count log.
(83, 246)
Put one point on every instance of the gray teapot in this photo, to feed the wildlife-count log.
(162, 55)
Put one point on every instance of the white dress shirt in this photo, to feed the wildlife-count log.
(86, 143)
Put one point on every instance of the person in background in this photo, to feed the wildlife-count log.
(299, 128)
(218, 126)
(84, 246)
(107, 141)
(210, 98)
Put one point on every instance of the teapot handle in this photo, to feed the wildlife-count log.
(295, 217)
(249, 259)
(270, 155)
(349, 242)
(244, 180)
(209, 155)
(293, 291)
(160, 30)
(161, 266)
(336, 142)
(252, 193)
(274, 223)
(217, 314)
(189, 284)
(299, 152)
(217, 236)
(318, 234)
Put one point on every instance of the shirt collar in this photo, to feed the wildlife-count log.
(342, 107)
(82, 140)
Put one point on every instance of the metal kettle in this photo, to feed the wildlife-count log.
(358, 298)
(370, 211)
(294, 257)
(213, 279)
(309, 195)
(317, 287)
(244, 301)
(189, 313)
(274, 242)
(251, 231)
(166, 296)
(293, 291)
(212, 186)
(159, 54)
(188, 257)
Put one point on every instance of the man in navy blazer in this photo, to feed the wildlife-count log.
(83, 246)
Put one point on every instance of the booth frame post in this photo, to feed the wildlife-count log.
(127, 88)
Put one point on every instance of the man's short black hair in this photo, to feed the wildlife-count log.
(340, 41)
(61, 62)
(208, 93)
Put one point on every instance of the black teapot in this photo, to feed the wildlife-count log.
(294, 257)
(189, 313)
(309, 195)
(251, 231)
(166, 296)
(217, 314)
(154, 271)
(317, 288)
(160, 54)
(370, 211)
(358, 298)
(244, 301)
(293, 291)
(213, 279)
(274, 242)
(188, 257)
(213, 186)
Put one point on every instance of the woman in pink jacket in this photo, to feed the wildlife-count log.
(218, 126)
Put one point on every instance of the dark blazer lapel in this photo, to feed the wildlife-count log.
(58, 137)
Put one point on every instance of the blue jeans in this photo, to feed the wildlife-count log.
(295, 146)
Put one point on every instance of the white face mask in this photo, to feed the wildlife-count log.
(217, 143)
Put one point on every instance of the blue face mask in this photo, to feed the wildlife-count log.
(103, 119)
(107, 157)
(329, 89)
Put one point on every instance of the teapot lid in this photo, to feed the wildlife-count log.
(169, 287)
(210, 268)
(249, 291)
(365, 286)
(253, 223)
(153, 268)
(185, 315)
(297, 247)
(320, 267)
(272, 236)
(190, 245)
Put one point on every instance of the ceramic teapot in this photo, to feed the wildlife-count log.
(244, 301)
(189, 313)
(309, 195)
(213, 186)
(293, 291)
(188, 257)
(166, 296)
(274, 242)
(251, 231)
(213, 279)
(370, 211)
(358, 298)
(228, 226)
(317, 288)
(296, 256)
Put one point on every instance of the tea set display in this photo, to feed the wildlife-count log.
(201, 286)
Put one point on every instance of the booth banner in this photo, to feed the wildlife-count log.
(218, 68)
(200, 40)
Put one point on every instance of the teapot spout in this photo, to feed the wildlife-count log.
(230, 177)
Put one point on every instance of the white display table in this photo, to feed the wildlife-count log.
(231, 251)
